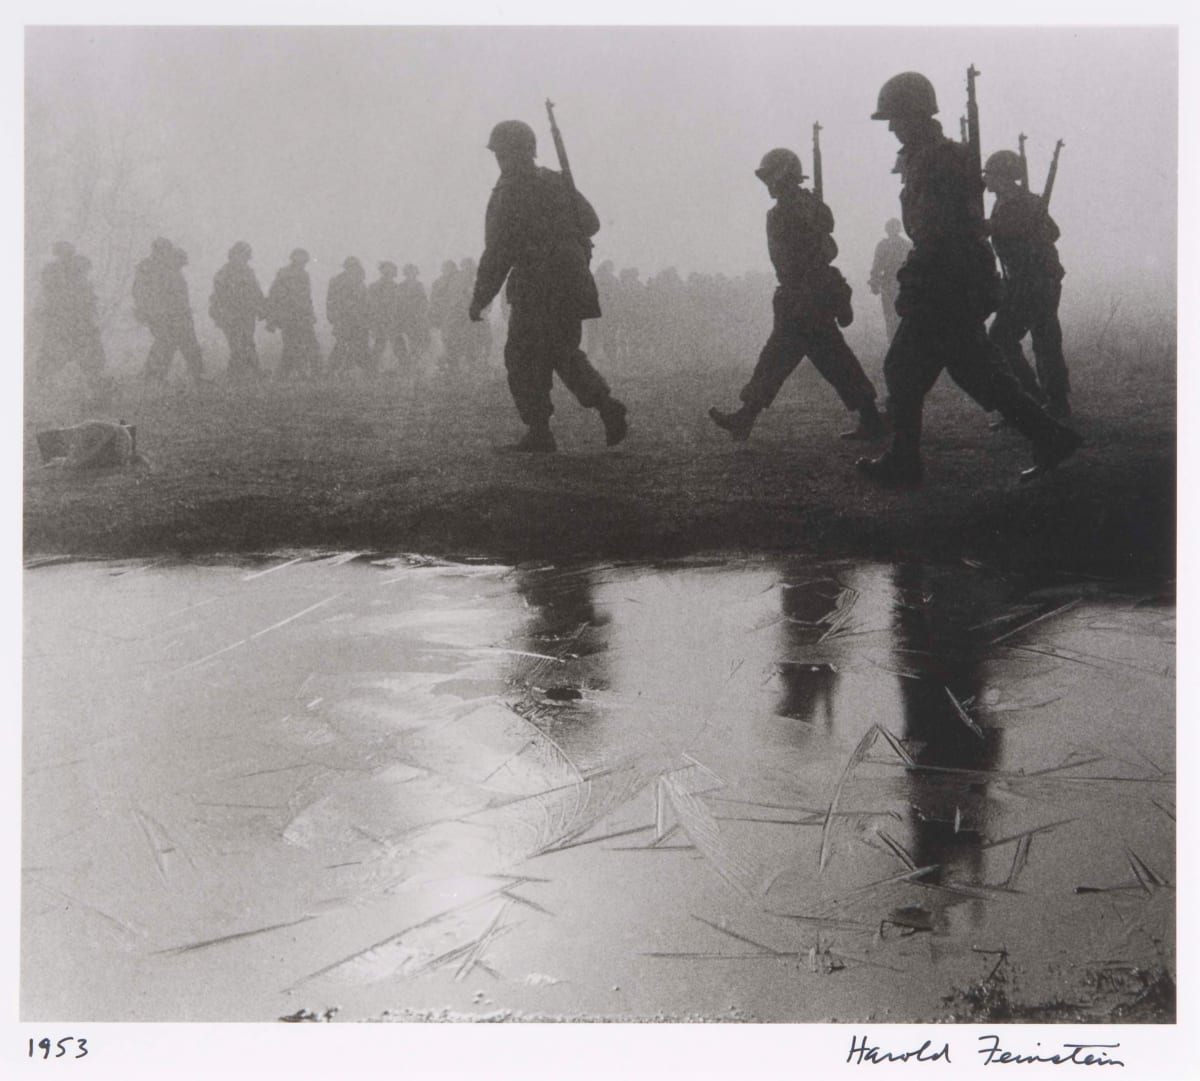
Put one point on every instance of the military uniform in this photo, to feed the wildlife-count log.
(1023, 236)
(412, 315)
(383, 319)
(536, 236)
(290, 308)
(802, 249)
(948, 288)
(236, 305)
(346, 310)
(161, 302)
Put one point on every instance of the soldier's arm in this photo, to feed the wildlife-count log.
(585, 214)
(502, 239)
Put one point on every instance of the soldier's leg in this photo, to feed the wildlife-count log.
(891, 321)
(839, 367)
(53, 356)
(288, 354)
(914, 361)
(1048, 352)
(529, 365)
(581, 378)
(158, 360)
(310, 352)
(1006, 332)
(981, 372)
(189, 346)
(376, 346)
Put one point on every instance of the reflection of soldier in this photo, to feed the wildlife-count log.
(812, 300)
(949, 816)
(383, 316)
(346, 310)
(890, 254)
(809, 690)
(538, 229)
(161, 303)
(413, 312)
(67, 313)
(290, 308)
(947, 289)
(1023, 236)
(236, 305)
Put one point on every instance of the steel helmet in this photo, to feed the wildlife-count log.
(906, 94)
(387, 267)
(239, 250)
(351, 263)
(512, 136)
(778, 164)
(63, 249)
(893, 227)
(298, 257)
(1005, 165)
(161, 246)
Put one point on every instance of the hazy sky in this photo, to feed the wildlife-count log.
(371, 140)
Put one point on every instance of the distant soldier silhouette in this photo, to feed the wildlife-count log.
(890, 254)
(478, 343)
(236, 305)
(346, 310)
(67, 314)
(1023, 236)
(290, 309)
(811, 304)
(161, 303)
(413, 314)
(537, 236)
(948, 287)
(630, 313)
(444, 297)
(602, 332)
(383, 317)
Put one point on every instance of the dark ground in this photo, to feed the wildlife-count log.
(397, 466)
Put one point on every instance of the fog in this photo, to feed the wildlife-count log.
(370, 141)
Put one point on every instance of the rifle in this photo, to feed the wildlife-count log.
(1046, 192)
(565, 168)
(962, 131)
(818, 177)
(1024, 161)
(973, 130)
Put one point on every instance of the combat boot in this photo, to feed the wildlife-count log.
(538, 440)
(1051, 451)
(612, 414)
(891, 470)
(737, 424)
(871, 425)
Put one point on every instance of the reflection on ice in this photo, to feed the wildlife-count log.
(253, 790)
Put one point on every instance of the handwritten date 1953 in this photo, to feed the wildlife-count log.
(65, 1046)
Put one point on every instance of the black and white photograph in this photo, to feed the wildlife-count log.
(551, 525)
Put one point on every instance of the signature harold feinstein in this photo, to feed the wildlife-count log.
(1072, 1054)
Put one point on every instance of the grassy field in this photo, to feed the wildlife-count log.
(412, 465)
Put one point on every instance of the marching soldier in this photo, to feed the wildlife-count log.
(811, 304)
(537, 234)
(890, 254)
(413, 314)
(346, 310)
(161, 303)
(236, 305)
(1023, 237)
(948, 287)
(290, 310)
(383, 316)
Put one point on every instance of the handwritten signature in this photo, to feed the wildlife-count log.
(1071, 1054)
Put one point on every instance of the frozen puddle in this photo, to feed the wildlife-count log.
(772, 790)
